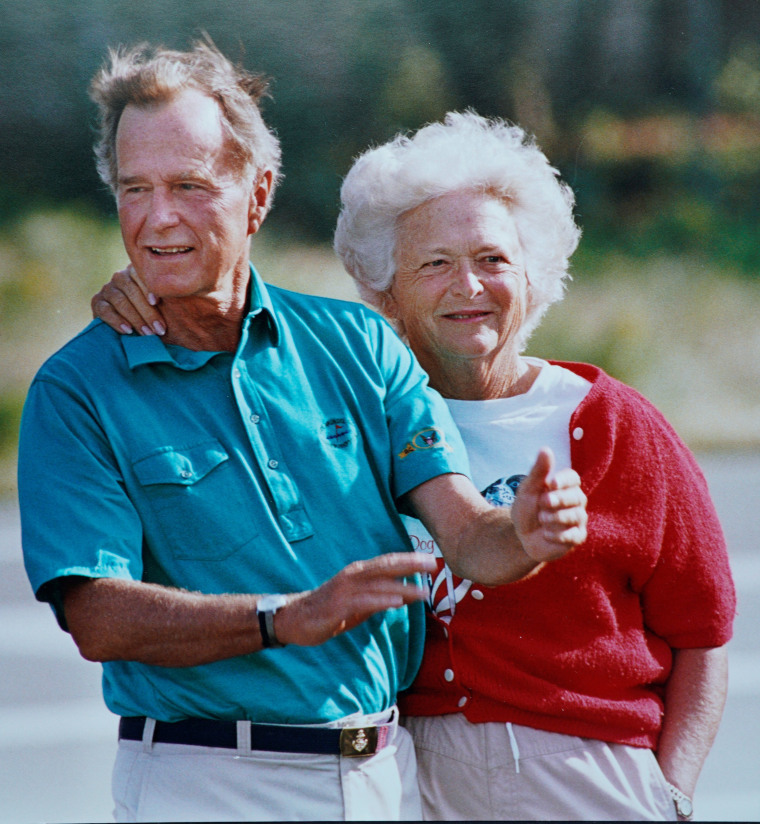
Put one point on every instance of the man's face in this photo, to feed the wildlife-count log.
(185, 211)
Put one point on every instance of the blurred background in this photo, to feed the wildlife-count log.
(649, 108)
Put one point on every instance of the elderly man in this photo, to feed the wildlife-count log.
(264, 445)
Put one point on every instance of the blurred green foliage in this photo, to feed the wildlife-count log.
(642, 104)
(650, 109)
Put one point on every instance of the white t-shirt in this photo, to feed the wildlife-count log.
(503, 437)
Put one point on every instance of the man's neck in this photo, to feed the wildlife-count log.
(206, 323)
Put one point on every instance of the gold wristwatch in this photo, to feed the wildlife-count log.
(684, 807)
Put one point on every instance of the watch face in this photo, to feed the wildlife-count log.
(270, 603)
(685, 807)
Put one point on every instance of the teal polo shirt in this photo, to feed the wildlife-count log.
(266, 470)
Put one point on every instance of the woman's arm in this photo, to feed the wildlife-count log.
(694, 699)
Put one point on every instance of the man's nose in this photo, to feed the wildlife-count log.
(162, 213)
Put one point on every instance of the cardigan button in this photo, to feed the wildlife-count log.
(577, 433)
(462, 701)
(449, 675)
(477, 594)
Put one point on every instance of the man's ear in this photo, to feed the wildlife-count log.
(259, 204)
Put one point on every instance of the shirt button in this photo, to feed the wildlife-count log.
(577, 433)
(462, 701)
(186, 473)
(449, 675)
(255, 418)
(236, 373)
(477, 595)
(272, 464)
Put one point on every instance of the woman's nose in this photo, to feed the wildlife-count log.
(466, 281)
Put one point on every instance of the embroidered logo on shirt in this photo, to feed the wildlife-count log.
(425, 439)
(338, 432)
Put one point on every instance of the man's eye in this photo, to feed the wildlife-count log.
(436, 264)
(188, 187)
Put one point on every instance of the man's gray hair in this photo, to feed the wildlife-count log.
(464, 152)
(143, 75)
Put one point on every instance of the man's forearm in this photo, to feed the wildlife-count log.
(112, 619)
(694, 700)
(118, 620)
(478, 541)
(487, 550)
(495, 545)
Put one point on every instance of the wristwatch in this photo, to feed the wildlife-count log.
(684, 807)
(266, 607)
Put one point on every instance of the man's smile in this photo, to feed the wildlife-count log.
(169, 250)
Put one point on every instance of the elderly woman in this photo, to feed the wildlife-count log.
(593, 688)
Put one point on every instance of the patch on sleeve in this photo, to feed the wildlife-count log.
(428, 438)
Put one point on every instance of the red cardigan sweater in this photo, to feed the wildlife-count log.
(584, 646)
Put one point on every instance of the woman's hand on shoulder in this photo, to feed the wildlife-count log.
(126, 305)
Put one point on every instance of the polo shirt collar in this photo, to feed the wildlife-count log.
(140, 350)
(261, 303)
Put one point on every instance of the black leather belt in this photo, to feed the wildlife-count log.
(205, 732)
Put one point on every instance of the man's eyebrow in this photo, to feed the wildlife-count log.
(129, 180)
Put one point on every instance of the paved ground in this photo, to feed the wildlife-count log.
(57, 741)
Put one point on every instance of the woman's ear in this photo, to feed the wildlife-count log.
(387, 304)
(389, 309)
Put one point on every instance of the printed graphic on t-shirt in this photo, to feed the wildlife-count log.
(502, 492)
(447, 589)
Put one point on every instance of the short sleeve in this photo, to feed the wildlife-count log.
(76, 518)
(425, 441)
(689, 600)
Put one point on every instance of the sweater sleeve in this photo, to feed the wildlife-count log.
(689, 599)
(646, 478)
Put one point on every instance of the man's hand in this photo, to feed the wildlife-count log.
(126, 305)
(358, 591)
(549, 511)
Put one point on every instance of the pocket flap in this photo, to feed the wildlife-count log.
(180, 466)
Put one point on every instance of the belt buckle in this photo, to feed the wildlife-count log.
(358, 742)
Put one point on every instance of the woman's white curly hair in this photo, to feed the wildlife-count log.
(464, 152)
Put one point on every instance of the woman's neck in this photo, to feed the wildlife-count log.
(476, 380)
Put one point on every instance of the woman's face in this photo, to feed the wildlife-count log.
(460, 284)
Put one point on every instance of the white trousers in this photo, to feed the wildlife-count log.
(173, 782)
(507, 772)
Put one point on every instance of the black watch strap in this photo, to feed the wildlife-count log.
(266, 609)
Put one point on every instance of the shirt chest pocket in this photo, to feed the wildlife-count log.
(197, 502)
